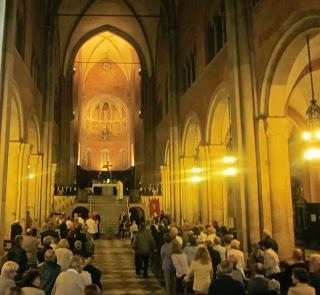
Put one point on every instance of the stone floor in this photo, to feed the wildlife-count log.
(116, 261)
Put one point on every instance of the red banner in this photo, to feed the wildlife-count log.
(154, 207)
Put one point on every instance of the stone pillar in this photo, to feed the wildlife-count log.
(203, 185)
(314, 174)
(12, 186)
(7, 25)
(219, 198)
(23, 178)
(50, 196)
(280, 186)
(243, 114)
(34, 187)
(174, 143)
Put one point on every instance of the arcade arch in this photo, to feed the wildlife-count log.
(285, 97)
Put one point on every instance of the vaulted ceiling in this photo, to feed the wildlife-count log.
(135, 20)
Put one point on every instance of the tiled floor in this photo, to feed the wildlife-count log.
(116, 261)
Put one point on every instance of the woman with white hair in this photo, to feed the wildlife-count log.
(8, 272)
(64, 254)
(236, 252)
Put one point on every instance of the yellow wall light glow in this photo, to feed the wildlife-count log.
(312, 153)
(318, 134)
(195, 179)
(31, 176)
(229, 159)
(306, 135)
(196, 170)
(229, 171)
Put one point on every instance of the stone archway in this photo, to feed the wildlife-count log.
(284, 100)
(222, 204)
(18, 158)
(192, 199)
(34, 201)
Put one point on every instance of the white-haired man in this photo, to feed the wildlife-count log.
(70, 282)
(8, 272)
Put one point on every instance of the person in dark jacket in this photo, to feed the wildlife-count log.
(16, 229)
(95, 273)
(224, 284)
(49, 271)
(143, 245)
(267, 239)
(258, 284)
(215, 256)
(18, 255)
(46, 245)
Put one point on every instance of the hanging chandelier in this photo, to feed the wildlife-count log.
(230, 159)
(312, 135)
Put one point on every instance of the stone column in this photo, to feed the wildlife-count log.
(50, 196)
(280, 186)
(243, 106)
(37, 205)
(12, 186)
(203, 185)
(23, 178)
(219, 198)
(314, 174)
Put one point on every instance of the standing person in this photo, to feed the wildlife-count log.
(191, 248)
(224, 284)
(16, 229)
(222, 250)
(49, 271)
(167, 265)
(69, 282)
(96, 217)
(18, 254)
(29, 220)
(133, 230)
(180, 262)
(271, 260)
(236, 252)
(30, 244)
(64, 254)
(267, 239)
(8, 272)
(143, 245)
(258, 284)
(300, 279)
(92, 227)
(201, 270)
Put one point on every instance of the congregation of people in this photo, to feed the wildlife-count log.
(209, 260)
(57, 261)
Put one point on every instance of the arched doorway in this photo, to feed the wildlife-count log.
(285, 98)
(81, 211)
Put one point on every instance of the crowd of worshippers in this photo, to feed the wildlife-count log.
(209, 260)
(59, 260)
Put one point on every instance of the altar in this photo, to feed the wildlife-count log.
(108, 189)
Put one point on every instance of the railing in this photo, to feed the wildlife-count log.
(62, 202)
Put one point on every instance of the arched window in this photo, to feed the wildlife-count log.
(105, 158)
(123, 159)
(20, 28)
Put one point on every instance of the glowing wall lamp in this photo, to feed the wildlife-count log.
(312, 135)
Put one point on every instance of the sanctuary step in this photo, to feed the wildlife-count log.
(109, 210)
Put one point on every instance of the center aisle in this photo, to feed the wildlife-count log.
(115, 259)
